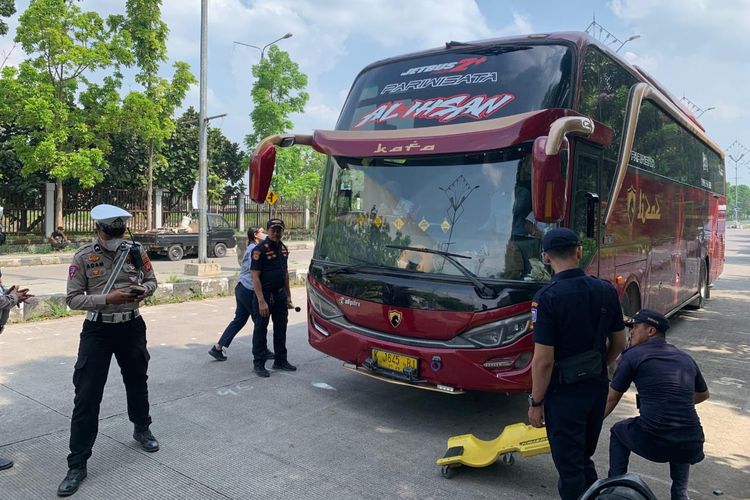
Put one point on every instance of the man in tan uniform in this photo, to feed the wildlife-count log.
(9, 297)
(113, 325)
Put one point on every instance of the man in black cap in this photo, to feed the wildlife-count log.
(669, 385)
(578, 331)
(272, 298)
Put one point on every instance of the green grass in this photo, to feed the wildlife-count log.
(173, 278)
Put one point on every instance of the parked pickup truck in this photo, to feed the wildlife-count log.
(175, 243)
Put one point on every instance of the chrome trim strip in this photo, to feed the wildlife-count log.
(563, 126)
(639, 93)
(435, 344)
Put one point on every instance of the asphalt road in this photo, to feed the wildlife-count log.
(324, 432)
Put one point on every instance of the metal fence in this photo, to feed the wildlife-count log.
(26, 214)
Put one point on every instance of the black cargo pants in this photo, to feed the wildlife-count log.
(99, 341)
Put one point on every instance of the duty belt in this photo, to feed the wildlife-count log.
(117, 317)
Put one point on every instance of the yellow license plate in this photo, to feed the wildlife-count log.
(392, 361)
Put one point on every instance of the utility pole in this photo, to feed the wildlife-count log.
(736, 159)
(202, 142)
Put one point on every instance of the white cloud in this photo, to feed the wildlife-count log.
(699, 49)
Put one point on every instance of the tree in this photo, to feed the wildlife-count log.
(180, 168)
(743, 192)
(148, 114)
(63, 44)
(7, 9)
(278, 92)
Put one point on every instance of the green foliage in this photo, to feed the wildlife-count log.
(7, 9)
(65, 139)
(743, 194)
(57, 311)
(179, 171)
(298, 172)
(278, 91)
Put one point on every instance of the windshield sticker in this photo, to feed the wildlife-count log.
(442, 109)
(449, 67)
(441, 81)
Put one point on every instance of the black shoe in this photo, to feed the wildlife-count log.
(217, 354)
(147, 440)
(72, 481)
(284, 365)
(270, 355)
(5, 463)
(261, 371)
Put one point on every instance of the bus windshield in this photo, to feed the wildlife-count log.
(476, 207)
(460, 87)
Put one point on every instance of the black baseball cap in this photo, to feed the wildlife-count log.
(560, 237)
(651, 318)
(275, 222)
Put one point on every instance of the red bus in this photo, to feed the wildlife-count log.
(446, 168)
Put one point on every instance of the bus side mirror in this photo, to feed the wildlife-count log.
(549, 173)
(261, 172)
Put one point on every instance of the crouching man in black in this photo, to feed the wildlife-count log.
(669, 385)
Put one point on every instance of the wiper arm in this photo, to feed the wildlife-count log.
(348, 268)
(482, 290)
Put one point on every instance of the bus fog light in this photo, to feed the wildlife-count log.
(437, 364)
(523, 360)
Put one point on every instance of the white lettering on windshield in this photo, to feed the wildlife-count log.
(448, 67)
(442, 81)
(442, 109)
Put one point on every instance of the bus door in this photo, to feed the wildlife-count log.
(586, 193)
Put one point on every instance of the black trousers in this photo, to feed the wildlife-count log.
(574, 414)
(277, 305)
(99, 341)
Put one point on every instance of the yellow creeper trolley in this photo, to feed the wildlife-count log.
(471, 451)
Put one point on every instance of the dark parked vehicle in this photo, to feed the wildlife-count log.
(178, 242)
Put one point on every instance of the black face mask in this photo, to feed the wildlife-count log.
(115, 232)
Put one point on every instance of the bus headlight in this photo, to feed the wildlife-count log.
(322, 305)
(499, 333)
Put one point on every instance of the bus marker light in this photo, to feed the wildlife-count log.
(498, 363)
(445, 388)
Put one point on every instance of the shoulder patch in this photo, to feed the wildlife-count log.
(256, 254)
(72, 271)
(533, 312)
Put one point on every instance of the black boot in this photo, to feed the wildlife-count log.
(260, 369)
(5, 463)
(72, 481)
(148, 441)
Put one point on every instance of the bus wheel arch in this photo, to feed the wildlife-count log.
(631, 300)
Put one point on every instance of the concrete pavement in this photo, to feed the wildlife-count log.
(323, 432)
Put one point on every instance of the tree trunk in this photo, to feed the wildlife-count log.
(58, 203)
(150, 190)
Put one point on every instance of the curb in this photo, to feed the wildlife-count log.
(50, 306)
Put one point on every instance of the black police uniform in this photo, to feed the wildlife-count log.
(567, 314)
(668, 428)
(270, 259)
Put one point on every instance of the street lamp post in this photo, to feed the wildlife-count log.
(202, 141)
(634, 37)
(263, 49)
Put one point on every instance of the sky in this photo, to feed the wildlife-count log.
(698, 49)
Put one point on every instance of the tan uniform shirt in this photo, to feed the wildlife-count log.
(89, 272)
(7, 301)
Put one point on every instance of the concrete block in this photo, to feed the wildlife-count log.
(186, 288)
(206, 269)
(163, 290)
(43, 305)
(213, 286)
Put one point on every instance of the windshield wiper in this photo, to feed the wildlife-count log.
(349, 268)
(482, 290)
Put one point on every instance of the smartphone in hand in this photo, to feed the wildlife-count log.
(135, 291)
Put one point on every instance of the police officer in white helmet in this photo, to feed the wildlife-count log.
(109, 278)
